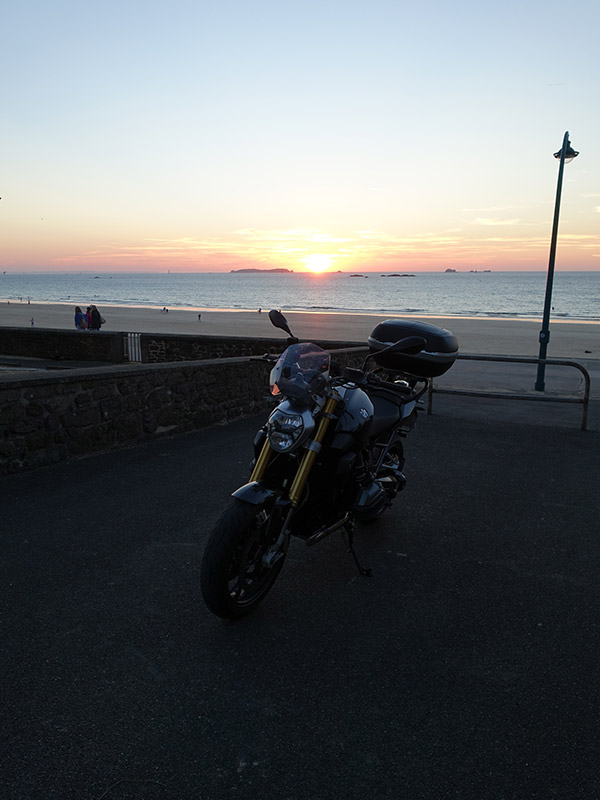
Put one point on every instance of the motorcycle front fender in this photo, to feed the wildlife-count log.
(255, 493)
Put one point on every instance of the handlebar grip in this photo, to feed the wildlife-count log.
(264, 357)
(394, 387)
(353, 374)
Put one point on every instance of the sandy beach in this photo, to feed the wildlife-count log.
(475, 335)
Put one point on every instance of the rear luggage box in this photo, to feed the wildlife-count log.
(436, 358)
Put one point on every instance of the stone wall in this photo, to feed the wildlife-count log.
(166, 348)
(51, 417)
(59, 345)
(111, 347)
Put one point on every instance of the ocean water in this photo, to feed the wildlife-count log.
(575, 296)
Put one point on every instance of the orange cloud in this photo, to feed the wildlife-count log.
(365, 249)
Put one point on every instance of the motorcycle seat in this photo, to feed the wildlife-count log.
(397, 395)
(387, 412)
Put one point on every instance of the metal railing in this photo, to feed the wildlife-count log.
(584, 401)
(133, 347)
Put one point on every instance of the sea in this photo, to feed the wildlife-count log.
(514, 295)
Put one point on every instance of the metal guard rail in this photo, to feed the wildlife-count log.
(585, 400)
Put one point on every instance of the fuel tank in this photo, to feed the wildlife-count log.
(354, 424)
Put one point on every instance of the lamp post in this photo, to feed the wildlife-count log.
(566, 154)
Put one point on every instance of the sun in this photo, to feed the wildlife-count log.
(318, 262)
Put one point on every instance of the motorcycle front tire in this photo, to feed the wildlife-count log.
(233, 576)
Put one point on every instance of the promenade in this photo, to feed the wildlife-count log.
(466, 667)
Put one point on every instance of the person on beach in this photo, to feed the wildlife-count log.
(80, 319)
(96, 319)
(88, 316)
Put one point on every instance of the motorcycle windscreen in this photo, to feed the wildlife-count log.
(299, 370)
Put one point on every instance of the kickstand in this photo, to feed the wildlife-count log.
(349, 528)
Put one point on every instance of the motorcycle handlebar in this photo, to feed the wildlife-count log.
(265, 357)
(370, 379)
(364, 378)
(409, 394)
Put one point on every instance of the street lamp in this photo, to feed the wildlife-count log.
(566, 155)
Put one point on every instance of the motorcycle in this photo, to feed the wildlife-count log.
(330, 455)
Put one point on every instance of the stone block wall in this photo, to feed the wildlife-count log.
(110, 346)
(53, 417)
(166, 348)
(59, 345)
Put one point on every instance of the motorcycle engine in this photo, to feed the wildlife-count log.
(370, 501)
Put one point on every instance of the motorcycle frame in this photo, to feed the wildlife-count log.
(255, 492)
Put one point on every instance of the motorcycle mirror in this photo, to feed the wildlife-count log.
(279, 321)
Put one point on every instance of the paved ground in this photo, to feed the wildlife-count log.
(466, 667)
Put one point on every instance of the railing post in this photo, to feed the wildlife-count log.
(585, 402)
(133, 347)
(430, 398)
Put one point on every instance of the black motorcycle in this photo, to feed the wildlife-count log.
(330, 454)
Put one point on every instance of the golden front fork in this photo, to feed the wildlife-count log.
(310, 455)
(308, 458)
(261, 462)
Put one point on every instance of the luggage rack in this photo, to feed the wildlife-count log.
(584, 401)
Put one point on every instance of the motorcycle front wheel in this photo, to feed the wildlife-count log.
(234, 578)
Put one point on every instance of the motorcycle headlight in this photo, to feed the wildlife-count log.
(287, 429)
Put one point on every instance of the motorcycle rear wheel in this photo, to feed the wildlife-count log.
(233, 577)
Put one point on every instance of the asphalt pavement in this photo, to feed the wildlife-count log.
(465, 667)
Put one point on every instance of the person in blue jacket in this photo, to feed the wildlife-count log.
(80, 319)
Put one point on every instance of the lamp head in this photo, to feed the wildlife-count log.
(570, 154)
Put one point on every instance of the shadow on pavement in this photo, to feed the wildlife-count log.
(466, 667)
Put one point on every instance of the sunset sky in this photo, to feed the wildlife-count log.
(323, 134)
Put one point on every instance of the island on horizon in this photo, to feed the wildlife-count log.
(277, 269)
(471, 270)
